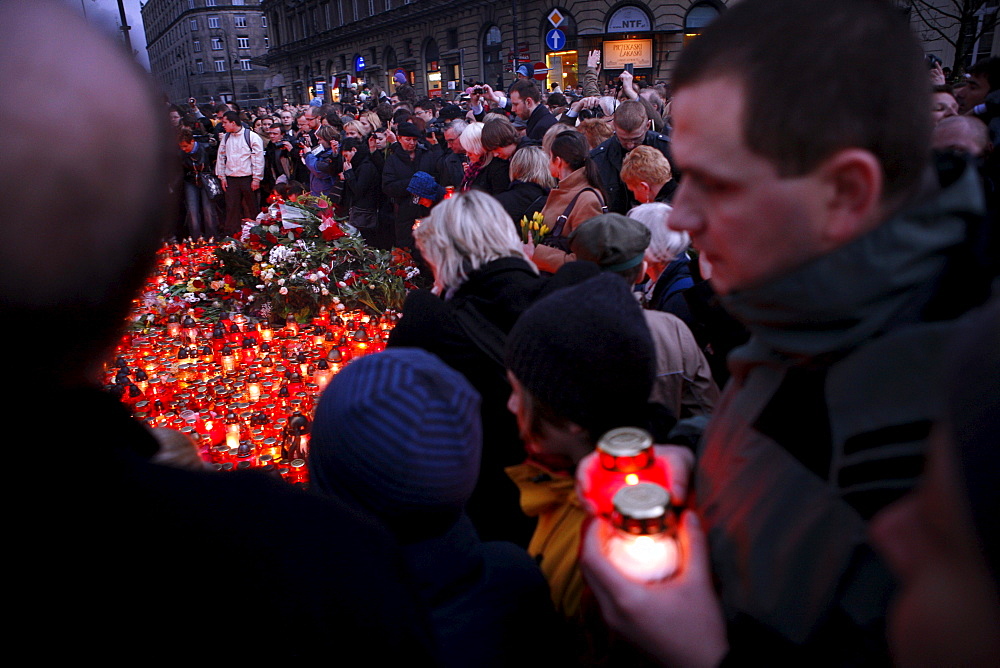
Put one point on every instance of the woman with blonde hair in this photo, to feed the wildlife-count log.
(483, 171)
(530, 183)
(482, 283)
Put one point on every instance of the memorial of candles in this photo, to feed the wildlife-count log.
(243, 390)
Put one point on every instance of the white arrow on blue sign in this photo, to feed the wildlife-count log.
(555, 39)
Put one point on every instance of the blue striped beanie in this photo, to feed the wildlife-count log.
(398, 432)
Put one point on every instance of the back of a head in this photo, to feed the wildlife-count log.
(818, 78)
(988, 68)
(462, 234)
(530, 164)
(399, 432)
(86, 241)
(586, 353)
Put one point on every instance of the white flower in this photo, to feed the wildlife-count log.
(324, 292)
(260, 287)
(341, 284)
(336, 300)
(313, 277)
(339, 307)
(283, 291)
(281, 281)
(257, 257)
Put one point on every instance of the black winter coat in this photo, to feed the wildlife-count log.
(609, 156)
(399, 169)
(500, 291)
(522, 198)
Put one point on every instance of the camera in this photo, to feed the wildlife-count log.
(478, 90)
(932, 61)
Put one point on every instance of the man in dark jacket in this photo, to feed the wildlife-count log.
(851, 263)
(406, 158)
(631, 125)
(526, 103)
(451, 165)
(129, 558)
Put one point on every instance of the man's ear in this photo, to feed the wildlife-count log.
(854, 186)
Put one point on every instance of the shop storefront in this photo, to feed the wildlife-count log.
(629, 43)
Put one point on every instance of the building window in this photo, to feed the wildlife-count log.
(194, 24)
(242, 42)
(190, 4)
(267, 42)
(210, 3)
(371, 7)
(220, 65)
(452, 38)
(199, 66)
(492, 62)
(240, 20)
(213, 21)
(245, 64)
(216, 44)
(263, 21)
(239, 2)
(197, 45)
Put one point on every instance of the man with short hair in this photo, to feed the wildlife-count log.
(526, 103)
(240, 168)
(631, 129)
(850, 268)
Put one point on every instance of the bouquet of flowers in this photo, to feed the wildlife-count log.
(295, 259)
(535, 227)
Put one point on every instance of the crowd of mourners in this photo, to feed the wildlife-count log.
(782, 269)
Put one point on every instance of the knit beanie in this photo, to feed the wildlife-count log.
(398, 432)
(585, 351)
(424, 186)
(973, 421)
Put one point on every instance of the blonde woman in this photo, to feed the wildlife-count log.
(482, 283)
(530, 183)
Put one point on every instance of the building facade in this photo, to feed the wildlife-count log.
(959, 32)
(208, 49)
(442, 46)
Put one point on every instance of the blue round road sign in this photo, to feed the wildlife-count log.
(555, 39)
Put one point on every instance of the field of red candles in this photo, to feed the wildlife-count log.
(243, 391)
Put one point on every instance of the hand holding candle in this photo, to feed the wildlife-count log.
(678, 621)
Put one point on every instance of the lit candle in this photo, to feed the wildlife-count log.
(625, 456)
(643, 546)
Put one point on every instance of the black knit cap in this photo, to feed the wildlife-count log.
(585, 351)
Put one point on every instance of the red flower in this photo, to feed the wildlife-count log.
(321, 204)
(198, 284)
(333, 233)
(229, 280)
(271, 239)
(199, 312)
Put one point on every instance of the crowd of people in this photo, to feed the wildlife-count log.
(829, 260)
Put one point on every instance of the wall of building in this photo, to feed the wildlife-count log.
(179, 38)
(322, 40)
